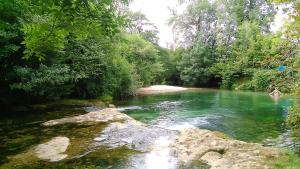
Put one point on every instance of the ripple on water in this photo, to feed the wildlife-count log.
(172, 122)
(169, 105)
(124, 109)
(284, 140)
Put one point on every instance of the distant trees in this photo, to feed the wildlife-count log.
(230, 42)
(139, 24)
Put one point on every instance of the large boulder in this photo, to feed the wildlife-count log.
(219, 152)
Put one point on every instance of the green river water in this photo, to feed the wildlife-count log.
(247, 116)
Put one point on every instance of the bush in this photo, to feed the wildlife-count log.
(293, 119)
(47, 81)
(262, 80)
(243, 85)
(195, 65)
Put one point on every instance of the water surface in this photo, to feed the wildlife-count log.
(247, 116)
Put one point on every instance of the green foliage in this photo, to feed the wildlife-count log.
(287, 160)
(260, 11)
(48, 23)
(72, 48)
(83, 69)
(139, 24)
(195, 64)
(10, 47)
(293, 119)
(262, 80)
(51, 81)
(256, 58)
(143, 56)
(170, 61)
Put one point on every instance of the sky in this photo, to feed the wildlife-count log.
(279, 20)
(157, 11)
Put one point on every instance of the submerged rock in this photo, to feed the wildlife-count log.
(220, 153)
(135, 136)
(53, 150)
(105, 115)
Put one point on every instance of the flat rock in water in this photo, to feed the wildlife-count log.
(105, 115)
(53, 150)
(221, 153)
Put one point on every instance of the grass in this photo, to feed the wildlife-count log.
(288, 160)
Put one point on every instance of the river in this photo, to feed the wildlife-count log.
(246, 116)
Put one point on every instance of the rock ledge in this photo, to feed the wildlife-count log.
(219, 152)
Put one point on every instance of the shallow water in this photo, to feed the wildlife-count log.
(252, 117)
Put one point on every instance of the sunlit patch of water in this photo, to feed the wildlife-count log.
(160, 157)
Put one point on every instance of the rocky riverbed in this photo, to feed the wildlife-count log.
(190, 147)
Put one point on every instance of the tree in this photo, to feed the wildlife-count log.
(196, 24)
(72, 45)
(199, 28)
(259, 11)
(143, 55)
(195, 64)
(139, 24)
(219, 34)
(48, 23)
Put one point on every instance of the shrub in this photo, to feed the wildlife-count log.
(293, 119)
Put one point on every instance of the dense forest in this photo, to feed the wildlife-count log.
(86, 49)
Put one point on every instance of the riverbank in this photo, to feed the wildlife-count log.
(99, 103)
(157, 89)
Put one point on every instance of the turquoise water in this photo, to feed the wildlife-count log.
(247, 116)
